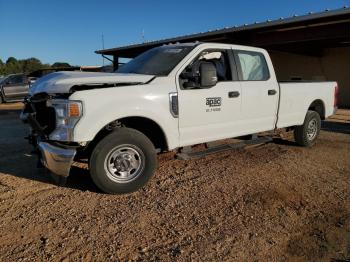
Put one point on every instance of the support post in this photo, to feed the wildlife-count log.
(115, 62)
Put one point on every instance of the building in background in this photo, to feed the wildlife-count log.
(315, 46)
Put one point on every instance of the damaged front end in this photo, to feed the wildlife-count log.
(40, 117)
(52, 116)
(51, 120)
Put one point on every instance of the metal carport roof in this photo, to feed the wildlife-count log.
(253, 34)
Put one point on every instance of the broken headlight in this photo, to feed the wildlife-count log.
(68, 113)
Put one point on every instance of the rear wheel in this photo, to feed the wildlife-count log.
(307, 133)
(123, 161)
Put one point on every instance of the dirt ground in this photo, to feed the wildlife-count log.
(273, 202)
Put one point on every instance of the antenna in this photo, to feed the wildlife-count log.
(103, 47)
(143, 35)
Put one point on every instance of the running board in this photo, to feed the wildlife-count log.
(185, 155)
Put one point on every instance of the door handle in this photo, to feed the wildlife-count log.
(271, 92)
(233, 94)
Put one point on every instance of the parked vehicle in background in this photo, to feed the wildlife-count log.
(168, 98)
(14, 88)
(31, 80)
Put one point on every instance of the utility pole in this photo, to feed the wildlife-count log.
(103, 47)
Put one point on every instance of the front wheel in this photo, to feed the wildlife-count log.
(123, 161)
(307, 133)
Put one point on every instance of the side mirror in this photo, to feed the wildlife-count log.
(208, 74)
(192, 78)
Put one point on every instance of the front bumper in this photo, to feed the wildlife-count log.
(58, 160)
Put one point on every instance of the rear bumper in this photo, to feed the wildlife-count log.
(58, 160)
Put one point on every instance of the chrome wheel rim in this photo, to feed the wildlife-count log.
(124, 163)
(311, 131)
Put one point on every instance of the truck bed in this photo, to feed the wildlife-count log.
(297, 96)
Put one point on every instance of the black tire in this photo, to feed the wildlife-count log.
(117, 153)
(1, 99)
(307, 133)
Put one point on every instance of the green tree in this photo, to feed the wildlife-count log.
(31, 64)
(11, 60)
(13, 66)
(60, 64)
(1, 67)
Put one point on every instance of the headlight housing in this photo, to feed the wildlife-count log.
(68, 113)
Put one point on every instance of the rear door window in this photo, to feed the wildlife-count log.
(252, 65)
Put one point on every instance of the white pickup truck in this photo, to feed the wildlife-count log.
(168, 98)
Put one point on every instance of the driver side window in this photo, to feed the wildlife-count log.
(191, 77)
(16, 79)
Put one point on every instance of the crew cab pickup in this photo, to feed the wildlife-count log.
(14, 88)
(168, 98)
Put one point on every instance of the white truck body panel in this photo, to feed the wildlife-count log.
(259, 110)
(195, 124)
(106, 105)
(296, 98)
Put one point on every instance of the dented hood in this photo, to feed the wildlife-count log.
(61, 82)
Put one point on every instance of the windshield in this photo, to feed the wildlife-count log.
(157, 61)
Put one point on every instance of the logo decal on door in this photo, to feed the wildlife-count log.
(213, 101)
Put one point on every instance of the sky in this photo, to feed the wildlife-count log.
(71, 30)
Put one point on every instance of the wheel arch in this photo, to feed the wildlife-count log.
(319, 107)
(147, 126)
